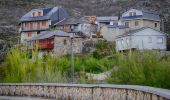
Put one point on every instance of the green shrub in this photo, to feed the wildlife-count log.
(23, 66)
(146, 68)
(20, 68)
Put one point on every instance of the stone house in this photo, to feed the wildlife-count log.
(38, 20)
(57, 42)
(136, 19)
(84, 26)
(141, 39)
(111, 27)
(103, 23)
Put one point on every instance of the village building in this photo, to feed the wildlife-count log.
(38, 20)
(57, 42)
(113, 26)
(103, 23)
(83, 26)
(142, 39)
(135, 19)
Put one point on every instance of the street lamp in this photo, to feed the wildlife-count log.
(72, 57)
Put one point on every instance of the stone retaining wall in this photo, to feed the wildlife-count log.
(84, 91)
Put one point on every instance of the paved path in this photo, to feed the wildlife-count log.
(21, 98)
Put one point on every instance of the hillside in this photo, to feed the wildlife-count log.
(12, 10)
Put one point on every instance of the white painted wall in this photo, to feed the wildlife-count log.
(145, 39)
(36, 12)
(126, 14)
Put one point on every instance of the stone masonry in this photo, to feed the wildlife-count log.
(84, 91)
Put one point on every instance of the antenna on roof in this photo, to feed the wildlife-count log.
(162, 25)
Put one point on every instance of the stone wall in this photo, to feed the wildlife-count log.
(25, 37)
(62, 45)
(84, 92)
(141, 24)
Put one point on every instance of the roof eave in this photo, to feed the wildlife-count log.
(143, 18)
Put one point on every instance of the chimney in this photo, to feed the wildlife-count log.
(162, 25)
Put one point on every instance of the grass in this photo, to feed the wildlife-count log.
(21, 68)
(141, 68)
(133, 68)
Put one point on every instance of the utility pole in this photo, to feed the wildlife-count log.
(72, 61)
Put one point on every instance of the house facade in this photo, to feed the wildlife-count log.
(136, 19)
(133, 19)
(84, 26)
(141, 39)
(38, 20)
(57, 42)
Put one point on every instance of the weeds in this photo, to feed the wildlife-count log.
(21, 68)
(135, 68)
(141, 68)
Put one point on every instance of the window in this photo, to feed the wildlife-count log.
(156, 24)
(27, 25)
(122, 41)
(130, 14)
(150, 40)
(127, 40)
(44, 23)
(119, 42)
(115, 23)
(33, 14)
(136, 23)
(127, 24)
(65, 42)
(39, 13)
(29, 34)
(160, 40)
(134, 13)
(31, 25)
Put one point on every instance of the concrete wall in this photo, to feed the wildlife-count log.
(84, 92)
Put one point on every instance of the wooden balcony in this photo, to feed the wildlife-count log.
(46, 43)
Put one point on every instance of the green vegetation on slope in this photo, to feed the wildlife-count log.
(142, 68)
(137, 68)
(21, 68)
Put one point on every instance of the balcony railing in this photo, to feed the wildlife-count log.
(34, 28)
